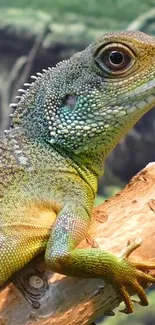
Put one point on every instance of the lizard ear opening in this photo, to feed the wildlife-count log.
(114, 59)
(69, 101)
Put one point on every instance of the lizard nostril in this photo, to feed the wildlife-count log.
(69, 100)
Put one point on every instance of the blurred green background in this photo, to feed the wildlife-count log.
(35, 34)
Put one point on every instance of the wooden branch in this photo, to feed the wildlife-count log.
(56, 299)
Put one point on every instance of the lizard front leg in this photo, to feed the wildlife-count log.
(62, 256)
(22, 239)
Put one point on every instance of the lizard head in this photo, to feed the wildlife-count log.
(91, 100)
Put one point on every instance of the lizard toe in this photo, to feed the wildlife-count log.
(127, 300)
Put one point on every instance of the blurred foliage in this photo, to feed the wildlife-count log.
(99, 200)
(28, 23)
(108, 192)
(21, 21)
(108, 14)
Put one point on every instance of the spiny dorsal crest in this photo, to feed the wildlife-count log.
(19, 107)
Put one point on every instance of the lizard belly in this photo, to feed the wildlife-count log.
(23, 235)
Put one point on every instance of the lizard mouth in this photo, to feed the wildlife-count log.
(144, 103)
(142, 93)
(140, 99)
(143, 98)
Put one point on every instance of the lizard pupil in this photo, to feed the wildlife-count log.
(116, 57)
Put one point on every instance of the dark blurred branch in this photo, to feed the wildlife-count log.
(19, 74)
(31, 57)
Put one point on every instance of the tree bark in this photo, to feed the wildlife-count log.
(56, 299)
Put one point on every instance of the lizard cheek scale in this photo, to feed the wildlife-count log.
(63, 127)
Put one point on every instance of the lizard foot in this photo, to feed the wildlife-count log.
(132, 274)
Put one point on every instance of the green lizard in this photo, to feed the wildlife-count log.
(64, 126)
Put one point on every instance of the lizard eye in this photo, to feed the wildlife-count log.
(114, 58)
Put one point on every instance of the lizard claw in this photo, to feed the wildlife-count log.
(132, 274)
(109, 313)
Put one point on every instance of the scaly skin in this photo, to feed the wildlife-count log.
(62, 130)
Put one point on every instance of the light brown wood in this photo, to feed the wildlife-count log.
(128, 215)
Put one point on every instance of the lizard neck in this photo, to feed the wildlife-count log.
(51, 158)
(88, 165)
